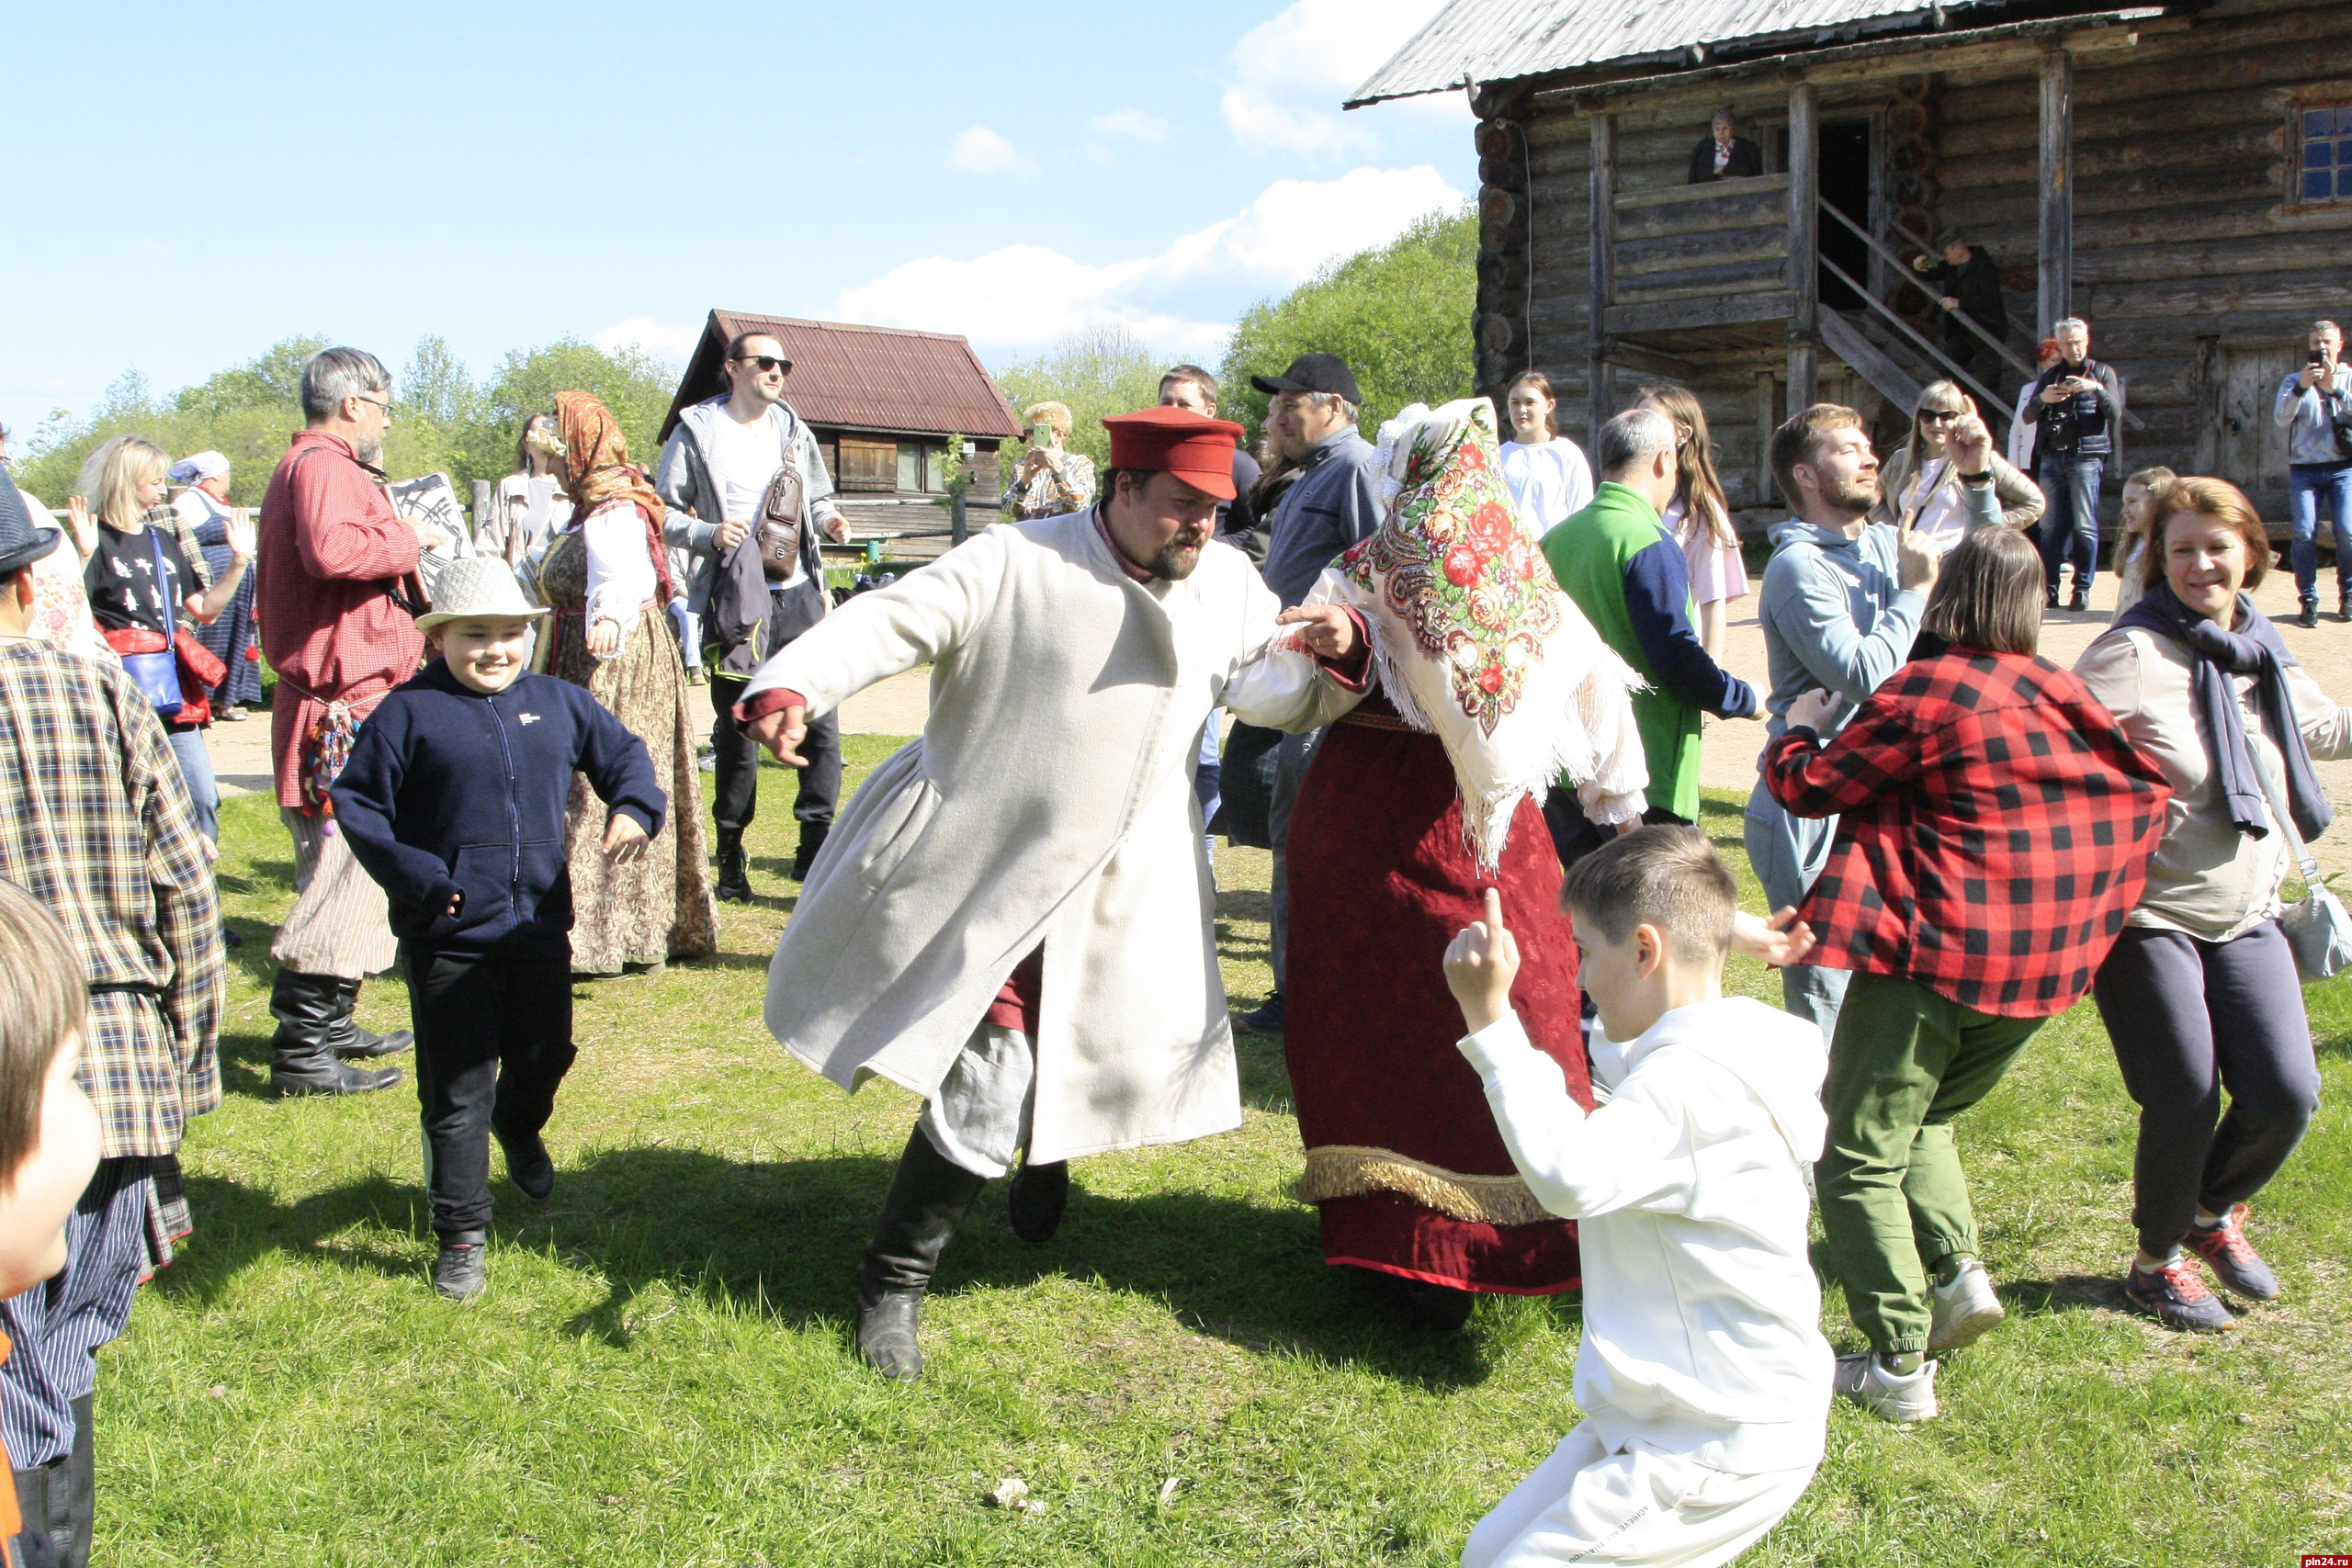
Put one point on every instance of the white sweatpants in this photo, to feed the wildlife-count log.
(980, 1117)
(1639, 1506)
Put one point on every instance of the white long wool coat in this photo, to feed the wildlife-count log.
(1048, 799)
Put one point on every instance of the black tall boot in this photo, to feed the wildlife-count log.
(928, 1198)
(1038, 1196)
(72, 1492)
(32, 1507)
(734, 881)
(812, 839)
(302, 1054)
(350, 1039)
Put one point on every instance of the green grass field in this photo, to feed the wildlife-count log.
(659, 1372)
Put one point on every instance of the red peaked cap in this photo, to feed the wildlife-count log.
(1195, 448)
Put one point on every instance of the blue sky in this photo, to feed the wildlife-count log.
(191, 184)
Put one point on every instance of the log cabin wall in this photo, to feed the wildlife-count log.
(2196, 265)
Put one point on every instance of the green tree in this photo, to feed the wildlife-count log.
(1399, 315)
(1100, 369)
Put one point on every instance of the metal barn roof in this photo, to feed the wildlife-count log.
(1492, 41)
(883, 379)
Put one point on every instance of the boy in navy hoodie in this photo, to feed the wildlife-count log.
(454, 801)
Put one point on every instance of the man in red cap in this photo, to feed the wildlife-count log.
(1012, 918)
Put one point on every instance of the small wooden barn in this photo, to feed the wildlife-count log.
(2179, 174)
(882, 403)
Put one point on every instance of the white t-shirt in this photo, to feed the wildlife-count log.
(746, 460)
(743, 459)
(1943, 515)
(1548, 482)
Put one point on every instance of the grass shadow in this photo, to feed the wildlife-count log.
(787, 1235)
(241, 1225)
(2065, 1293)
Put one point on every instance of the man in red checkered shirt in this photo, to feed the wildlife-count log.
(1995, 830)
(337, 603)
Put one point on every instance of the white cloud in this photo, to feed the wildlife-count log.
(978, 150)
(1132, 123)
(1290, 75)
(1025, 296)
(675, 342)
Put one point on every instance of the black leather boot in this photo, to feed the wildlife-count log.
(73, 1490)
(812, 839)
(302, 1054)
(1039, 1195)
(734, 882)
(350, 1039)
(928, 1198)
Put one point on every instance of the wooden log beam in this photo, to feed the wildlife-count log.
(1601, 393)
(1804, 241)
(1681, 315)
(1767, 419)
(2055, 293)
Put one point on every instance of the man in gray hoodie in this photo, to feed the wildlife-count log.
(1840, 604)
(715, 473)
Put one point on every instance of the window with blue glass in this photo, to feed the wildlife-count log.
(2327, 172)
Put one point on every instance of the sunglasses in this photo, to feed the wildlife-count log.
(766, 362)
(1937, 416)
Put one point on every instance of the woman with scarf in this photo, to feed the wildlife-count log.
(1486, 683)
(2200, 993)
(204, 513)
(606, 576)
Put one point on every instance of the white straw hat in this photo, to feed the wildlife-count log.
(476, 585)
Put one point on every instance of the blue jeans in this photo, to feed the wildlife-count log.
(2306, 482)
(1787, 854)
(196, 767)
(2070, 520)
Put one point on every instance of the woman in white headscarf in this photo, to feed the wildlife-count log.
(1486, 683)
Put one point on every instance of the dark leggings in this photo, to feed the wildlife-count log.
(2188, 1019)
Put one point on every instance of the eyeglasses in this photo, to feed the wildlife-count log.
(766, 362)
(1937, 416)
(380, 403)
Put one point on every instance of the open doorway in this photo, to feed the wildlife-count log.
(1845, 186)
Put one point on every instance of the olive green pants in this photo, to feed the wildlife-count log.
(1894, 1198)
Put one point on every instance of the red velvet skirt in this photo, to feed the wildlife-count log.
(1380, 881)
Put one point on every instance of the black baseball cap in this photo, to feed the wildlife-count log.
(1312, 373)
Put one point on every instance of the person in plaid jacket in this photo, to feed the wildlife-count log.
(96, 823)
(1996, 828)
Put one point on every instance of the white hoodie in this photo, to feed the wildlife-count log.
(1701, 1314)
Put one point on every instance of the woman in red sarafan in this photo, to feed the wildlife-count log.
(1486, 684)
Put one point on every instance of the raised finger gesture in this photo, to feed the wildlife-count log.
(1481, 962)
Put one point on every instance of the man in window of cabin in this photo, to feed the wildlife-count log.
(1721, 155)
(748, 494)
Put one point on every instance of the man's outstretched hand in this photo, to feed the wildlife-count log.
(781, 732)
(1480, 963)
(1780, 942)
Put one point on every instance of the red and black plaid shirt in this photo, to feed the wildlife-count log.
(1996, 830)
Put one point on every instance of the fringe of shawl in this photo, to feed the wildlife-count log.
(1350, 1171)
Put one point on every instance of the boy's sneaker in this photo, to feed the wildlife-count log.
(529, 1165)
(2237, 1265)
(1888, 1396)
(1961, 1311)
(2176, 1296)
(457, 1273)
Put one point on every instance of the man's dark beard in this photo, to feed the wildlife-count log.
(1172, 564)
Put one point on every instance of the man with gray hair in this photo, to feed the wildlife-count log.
(2079, 404)
(337, 605)
(1627, 574)
(1333, 503)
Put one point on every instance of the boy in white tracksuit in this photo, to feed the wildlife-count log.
(1703, 1376)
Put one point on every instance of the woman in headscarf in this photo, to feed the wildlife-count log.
(607, 578)
(204, 513)
(1486, 684)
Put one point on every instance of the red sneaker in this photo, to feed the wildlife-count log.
(2234, 1263)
